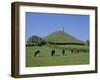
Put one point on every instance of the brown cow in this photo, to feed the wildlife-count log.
(75, 50)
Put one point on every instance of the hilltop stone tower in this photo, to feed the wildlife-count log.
(62, 29)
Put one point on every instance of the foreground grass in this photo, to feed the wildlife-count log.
(45, 58)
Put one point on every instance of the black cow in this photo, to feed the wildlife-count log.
(52, 52)
(72, 50)
(37, 53)
(63, 52)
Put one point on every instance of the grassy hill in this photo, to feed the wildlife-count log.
(61, 37)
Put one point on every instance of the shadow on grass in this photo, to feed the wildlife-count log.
(51, 56)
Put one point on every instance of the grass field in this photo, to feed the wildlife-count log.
(45, 58)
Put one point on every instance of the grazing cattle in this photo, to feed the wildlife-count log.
(72, 50)
(52, 52)
(63, 52)
(37, 53)
(75, 51)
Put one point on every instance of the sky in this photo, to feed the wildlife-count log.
(42, 24)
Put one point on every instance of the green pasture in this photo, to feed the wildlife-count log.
(45, 58)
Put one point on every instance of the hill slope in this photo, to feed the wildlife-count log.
(62, 37)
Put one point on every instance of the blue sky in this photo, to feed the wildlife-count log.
(42, 24)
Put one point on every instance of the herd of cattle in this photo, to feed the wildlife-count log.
(53, 52)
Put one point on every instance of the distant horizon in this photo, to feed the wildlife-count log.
(43, 24)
